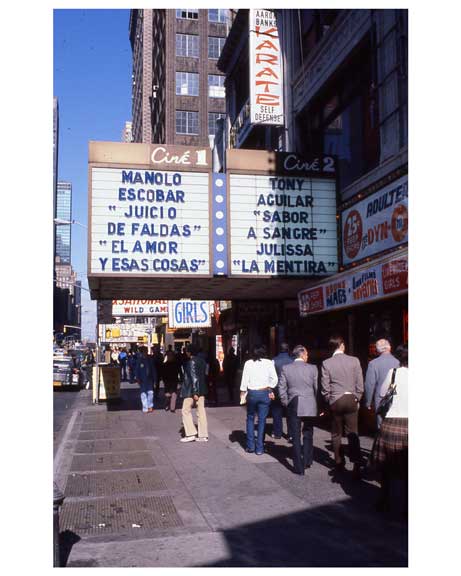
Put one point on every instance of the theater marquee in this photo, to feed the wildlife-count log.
(151, 220)
(162, 224)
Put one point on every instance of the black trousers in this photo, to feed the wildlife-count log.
(344, 414)
(303, 453)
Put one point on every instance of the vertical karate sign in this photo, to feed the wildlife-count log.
(266, 77)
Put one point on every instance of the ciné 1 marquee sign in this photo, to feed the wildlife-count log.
(159, 211)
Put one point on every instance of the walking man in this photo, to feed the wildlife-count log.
(230, 367)
(298, 391)
(87, 365)
(193, 391)
(342, 388)
(280, 361)
(122, 358)
(376, 373)
(144, 374)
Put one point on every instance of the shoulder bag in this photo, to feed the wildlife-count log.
(386, 401)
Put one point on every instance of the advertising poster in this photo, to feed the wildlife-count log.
(282, 225)
(123, 333)
(266, 77)
(377, 223)
(351, 288)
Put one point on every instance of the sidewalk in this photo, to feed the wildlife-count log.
(136, 496)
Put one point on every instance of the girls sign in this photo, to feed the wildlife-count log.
(266, 80)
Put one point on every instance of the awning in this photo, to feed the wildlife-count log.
(381, 278)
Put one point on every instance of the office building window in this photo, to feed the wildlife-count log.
(186, 122)
(187, 84)
(187, 14)
(213, 117)
(344, 120)
(215, 46)
(216, 86)
(187, 45)
(219, 15)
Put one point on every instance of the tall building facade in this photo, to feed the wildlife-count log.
(63, 231)
(67, 290)
(345, 95)
(178, 92)
(55, 165)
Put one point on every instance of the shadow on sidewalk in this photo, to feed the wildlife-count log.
(326, 536)
(67, 540)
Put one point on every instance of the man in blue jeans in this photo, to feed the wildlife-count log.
(280, 361)
(145, 375)
(259, 378)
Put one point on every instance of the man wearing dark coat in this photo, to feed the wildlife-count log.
(193, 391)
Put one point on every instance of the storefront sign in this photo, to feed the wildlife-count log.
(377, 223)
(190, 313)
(365, 284)
(282, 226)
(139, 307)
(152, 221)
(123, 333)
(266, 79)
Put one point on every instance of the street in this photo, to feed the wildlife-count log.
(136, 496)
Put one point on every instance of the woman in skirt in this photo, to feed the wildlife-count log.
(390, 452)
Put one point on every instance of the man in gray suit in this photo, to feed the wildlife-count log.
(376, 373)
(298, 391)
(342, 388)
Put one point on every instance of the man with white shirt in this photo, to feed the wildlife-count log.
(259, 379)
(342, 388)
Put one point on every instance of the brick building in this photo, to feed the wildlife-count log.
(178, 92)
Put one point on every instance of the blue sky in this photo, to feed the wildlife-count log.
(92, 81)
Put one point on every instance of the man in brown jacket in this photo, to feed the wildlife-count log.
(342, 388)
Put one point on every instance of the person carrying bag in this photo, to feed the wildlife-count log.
(389, 455)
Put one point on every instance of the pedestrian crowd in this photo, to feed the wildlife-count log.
(291, 387)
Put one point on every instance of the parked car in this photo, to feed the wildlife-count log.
(63, 367)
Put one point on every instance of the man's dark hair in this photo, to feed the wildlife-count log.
(259, 352)
(284, 347)
(335, 342)
(192, 349)
(298, 350)
(401, 353)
